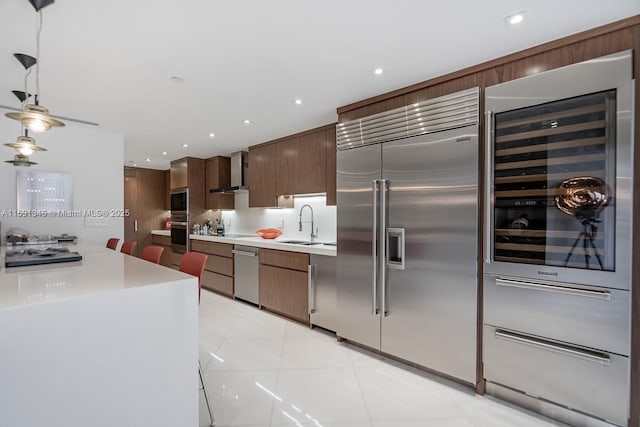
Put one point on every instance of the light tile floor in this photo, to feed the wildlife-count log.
(262, 370)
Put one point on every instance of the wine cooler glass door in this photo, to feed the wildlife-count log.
(554, 181)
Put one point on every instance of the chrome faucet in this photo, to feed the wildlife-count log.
(313, 236)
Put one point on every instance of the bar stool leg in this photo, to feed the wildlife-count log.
(206, 396)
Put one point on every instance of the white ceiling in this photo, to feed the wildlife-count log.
(110, 61)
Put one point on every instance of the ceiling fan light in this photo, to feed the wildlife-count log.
(36, 118)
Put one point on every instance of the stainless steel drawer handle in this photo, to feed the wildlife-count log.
(599, 358)
(603, 295)
(245, 253)
(311, 288)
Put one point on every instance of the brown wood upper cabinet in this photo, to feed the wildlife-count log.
(302, 165)
(262, 175)
(298, 164)
(218, 174)
(167, 189)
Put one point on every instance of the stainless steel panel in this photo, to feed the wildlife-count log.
(591, 317)
(246, 265)
(548, 409)
(433, 115)
(570, 376)
(324, 291)
(356, 170)
(608, 72)
(432, 303)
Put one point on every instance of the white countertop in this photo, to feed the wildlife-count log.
(161, 232)
(101, 270)
(259, 242)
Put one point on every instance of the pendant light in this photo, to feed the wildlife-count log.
(25, 145)
(35, 117)
(20, 160)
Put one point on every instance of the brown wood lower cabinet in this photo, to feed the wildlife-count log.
(164, 242)
(218, 283)
(284, 283)
(218, 271)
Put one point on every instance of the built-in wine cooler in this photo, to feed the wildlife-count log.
(558, 240)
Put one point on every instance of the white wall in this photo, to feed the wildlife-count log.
(248, 220)
(92, 156)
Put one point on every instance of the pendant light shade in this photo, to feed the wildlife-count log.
(25, 145)
(36, 118)
(21, 160)
(39, 4)
(21, 95)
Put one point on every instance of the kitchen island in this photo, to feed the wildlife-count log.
(111, 340)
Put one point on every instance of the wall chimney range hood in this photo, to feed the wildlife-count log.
(239, 174)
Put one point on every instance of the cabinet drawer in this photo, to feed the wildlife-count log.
(218, 264)
(591, 382)
(218, 283)
(285, 259)
(213, 248)
(176, 259)
(160, 240)
(582, 315)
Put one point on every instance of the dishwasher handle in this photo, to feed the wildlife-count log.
(244, 253)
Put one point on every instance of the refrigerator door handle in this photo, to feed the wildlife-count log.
(488, 215)
(395, 248)
(382, 244)
(374, 250)
(566, 350)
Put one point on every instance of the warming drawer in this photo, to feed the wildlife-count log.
(581, 379)
(588, 316)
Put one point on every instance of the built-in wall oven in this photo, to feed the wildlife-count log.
(179, 201)
(180, 221)
(558, 234)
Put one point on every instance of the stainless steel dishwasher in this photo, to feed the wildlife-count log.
(246, 267)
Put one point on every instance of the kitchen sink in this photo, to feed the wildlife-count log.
(301, 242)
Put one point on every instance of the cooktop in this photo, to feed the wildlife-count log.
(31, 256)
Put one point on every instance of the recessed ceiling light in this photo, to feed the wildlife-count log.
(378, 71)
(164, 153)
(148, 160)
(212, 135)
(298, 101)
(135, 164)
(515, 18)
(176, 79)
(185, 145)
(246, 121)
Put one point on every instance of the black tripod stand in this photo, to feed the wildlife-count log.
(587, 235)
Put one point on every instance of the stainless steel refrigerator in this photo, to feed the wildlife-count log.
(408, 232)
